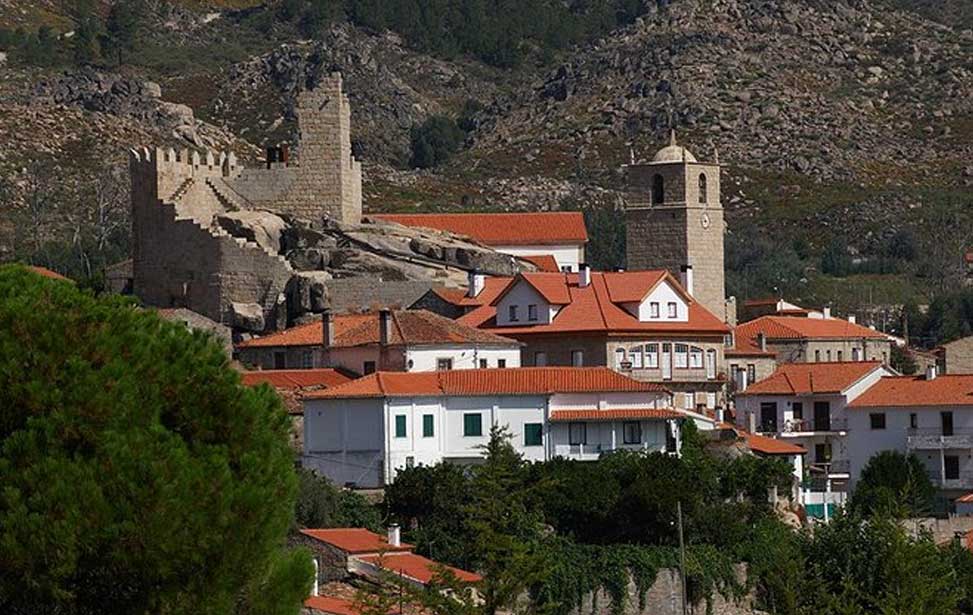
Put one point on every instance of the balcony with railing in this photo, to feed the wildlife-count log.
(805, 426)
(935, 440)
(836, 468)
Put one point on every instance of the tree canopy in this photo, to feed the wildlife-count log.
(137, 475)
(895, 484)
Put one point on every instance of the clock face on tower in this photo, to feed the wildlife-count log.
(704, 220)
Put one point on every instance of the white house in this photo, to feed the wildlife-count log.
(364, 431)
(561, 235)
(387, 340)
(929, 415)
(806, 403)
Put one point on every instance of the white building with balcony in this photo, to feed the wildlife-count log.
(930, 416)
(364, 431)
(806, 403)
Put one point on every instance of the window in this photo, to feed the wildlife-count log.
(577, 358)
(635, 356)
(428, 426)
(368, 367)
(673, 309)
(696, 358)
(577, 433)
(947, 421)
(540, 359)
(280, 360)
(512, 311)
(307, 359)
(702, 188)
(444, 364)
(822, 453)
(913, 421)
(472, 425)
(410, 462)
(658, 190)
(822, 416)
(855, 354)
(828, 354)
(654, 309)
(399, 425)
(877, 420)
(533, 434)
(951, 465)
(632, 432)
(652, 355)
(768, 416)
(817, 356)
(484, 364)
(532, 312)
(798, 408)
(501, 363)
(751, 372)
(682, 356)
(619, 357)
(840, 355)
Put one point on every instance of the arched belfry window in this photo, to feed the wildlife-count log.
(702, 188)
(658, 190)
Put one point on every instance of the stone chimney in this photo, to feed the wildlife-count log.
(394, 535)
(327, 329)
(827, 311)
(931, 372)
(584, 275)
(384, 327)
(853, 319)
(687, 278)
(762, 342)
(476, 281)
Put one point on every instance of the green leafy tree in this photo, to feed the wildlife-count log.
(435, 141)
(321, 504)
(901, 360)
(85, 45)
(893, 483)
(122, 29)
(136, 473)
(835, 260)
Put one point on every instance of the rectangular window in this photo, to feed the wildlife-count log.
(817, 356)
(577, 358)
(855, 355)
(913, 421)
(280, 360)
(636, 357)
(444, 364)
(682, 356)
(632, 432)
(696, 358)
(533, 434)
(410, 462)
(673, 310)
(751, 372)
(577, 433)
(947, 420)
(307, 359)
(501, 363)
(877, 420)
(828, 354)
(768, 416)
(532, 312)
(654, 309)
(822, 453)
(620, 358)
(399, 425)
(368, 367)
(484, 364)
(822, 416)
(473, 425)
(840, 356)
(951, 463)
(652, 356)
(540, 359)
(512, 311)
(798, 408)
(428, 426)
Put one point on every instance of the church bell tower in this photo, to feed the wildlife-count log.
(674, 218)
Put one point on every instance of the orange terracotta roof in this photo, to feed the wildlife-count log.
(355, 540)
(416, 567)
(615, 414)
(473, 382)
(966, 499)
(47, 273)
(799, 328)
(591, 309)
(770, 446)
(543, 262)
(492, 286)
(409, 328)
(812, 378)
(551, 286)
(295, 378)
(916, 391)
(332, 606)
(502, 229)
(634, 286)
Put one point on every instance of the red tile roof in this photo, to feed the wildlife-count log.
(543, 262)
(473, 382)
(492, 286)
(592, 310)
(295, 378)
(412, 566)
(770, 446)
(502, 229)
(551, 286)
(47, 273)
(409, 328)
(916, 391)
(332, 606)
(355, 540)
(965, 499)
(615, 414)
(799, 328)
(811, 378)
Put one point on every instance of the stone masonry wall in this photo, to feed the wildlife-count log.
(959, 356)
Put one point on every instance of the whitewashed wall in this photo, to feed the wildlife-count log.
(567, 255)
(425, 359)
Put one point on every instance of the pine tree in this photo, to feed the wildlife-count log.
(121, 29)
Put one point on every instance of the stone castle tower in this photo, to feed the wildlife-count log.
(674, 218)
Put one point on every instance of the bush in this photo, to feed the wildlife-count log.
(435, 141)
(893, 484)
(321, 504)
(835, 260)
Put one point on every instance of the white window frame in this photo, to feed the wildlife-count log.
(654, 309)
(444, 361)
(680, 358)
(652, 356)
(673, 309)
(635, 356)
(695, 358)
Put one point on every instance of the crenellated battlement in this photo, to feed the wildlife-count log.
(162, 171)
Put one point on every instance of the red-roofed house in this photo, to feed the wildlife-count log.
(645, 324)
(929, 415)
(560, 235)
(796, 339)
(387, 340)
(362, 432)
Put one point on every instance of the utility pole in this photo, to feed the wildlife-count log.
(682, 561)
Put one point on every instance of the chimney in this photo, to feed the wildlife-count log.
(930, 372)
(687, 278)
(476, 281)
(853, 319)
(827, 311)
(395, 535)
(752, 422)
(327, 329)
(762, 342)
(384, 326)
(584, 275)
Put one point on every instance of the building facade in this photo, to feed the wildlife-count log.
(796, 339)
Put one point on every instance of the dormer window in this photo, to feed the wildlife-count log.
(673, 310)
(531, 312)
(654, 309)
(512, 311)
